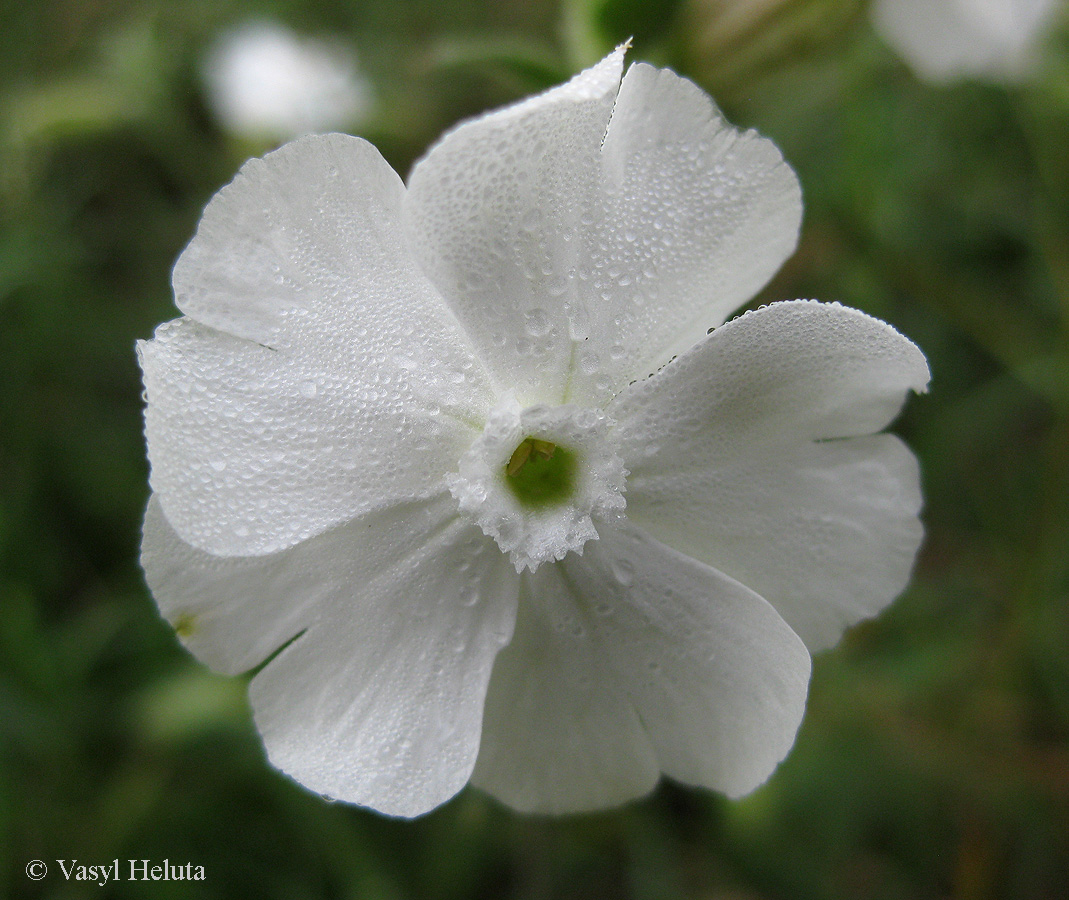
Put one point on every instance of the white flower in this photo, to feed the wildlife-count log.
(265, 82)
(411, 436)
(947, 39)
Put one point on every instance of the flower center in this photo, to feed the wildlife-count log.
(538, 479)
(539, 473)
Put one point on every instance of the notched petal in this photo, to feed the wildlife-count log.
(379, 638)
(497, 212)
(754, 453)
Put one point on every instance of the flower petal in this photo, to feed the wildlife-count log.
(304, 246)
(732, 460)
(253, 450)
(232, 613)
(579, 250)
(399, 615)
(559, 732)
(322, 376)
(495, 214)
(634, 658)
(697, 216)
(717, 677)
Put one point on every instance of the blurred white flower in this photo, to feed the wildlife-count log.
(265, 82)
(944, 40)
(411, 436)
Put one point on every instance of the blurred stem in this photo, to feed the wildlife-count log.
(982, 764)
(977, 862)
(1053, 505)
(731, 43)
(583, 45)
(1042, 121)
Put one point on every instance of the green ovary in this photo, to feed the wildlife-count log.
(541, 473)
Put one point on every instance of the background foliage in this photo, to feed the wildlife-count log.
(934, 758)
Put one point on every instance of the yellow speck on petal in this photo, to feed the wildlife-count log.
(185, 625)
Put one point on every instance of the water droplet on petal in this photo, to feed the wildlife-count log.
(623, 572)
(537, 322)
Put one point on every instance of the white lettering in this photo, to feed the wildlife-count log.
(144, 870)
(102, 873)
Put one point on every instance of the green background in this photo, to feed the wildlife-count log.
(933, 761)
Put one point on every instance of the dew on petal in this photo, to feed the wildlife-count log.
(623, 571)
